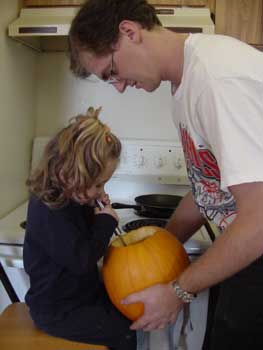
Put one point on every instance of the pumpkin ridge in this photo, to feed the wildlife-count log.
(130, 272)
(171, 262)
(153, 255)
(130, 277)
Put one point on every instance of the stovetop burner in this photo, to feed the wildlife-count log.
(154, 213)
(133, 225)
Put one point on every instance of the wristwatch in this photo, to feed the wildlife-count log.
(182, 294)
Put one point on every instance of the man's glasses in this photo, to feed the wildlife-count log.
(111, 78)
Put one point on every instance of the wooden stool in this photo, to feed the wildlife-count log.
(18, 332)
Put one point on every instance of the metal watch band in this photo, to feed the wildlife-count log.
(182, 294)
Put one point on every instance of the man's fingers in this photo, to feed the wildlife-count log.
(147, 324)
(141, 323)
(133, 298)
(155, 325)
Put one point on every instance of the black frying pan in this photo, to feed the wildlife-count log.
(158, 205)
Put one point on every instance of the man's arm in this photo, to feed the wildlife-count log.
(186, 219)
(239, 245)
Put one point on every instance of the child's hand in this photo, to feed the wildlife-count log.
(107, 210)
(105, 199)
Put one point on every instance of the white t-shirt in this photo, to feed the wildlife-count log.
(218, 109)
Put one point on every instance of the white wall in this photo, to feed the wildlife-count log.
(17, 111)
(133, 114)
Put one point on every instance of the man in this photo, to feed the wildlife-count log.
(217, 91)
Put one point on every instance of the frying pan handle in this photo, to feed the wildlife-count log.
(210, 231)
(125, 206)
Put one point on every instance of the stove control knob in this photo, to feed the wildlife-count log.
(159, 162)
(178, 163)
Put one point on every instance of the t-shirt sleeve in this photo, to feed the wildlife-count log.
(230, 118)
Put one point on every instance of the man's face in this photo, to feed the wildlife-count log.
(127, 65)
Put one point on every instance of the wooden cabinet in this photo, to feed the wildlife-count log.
(27, 3)
(43, 3)
(179, 2)
(242, 19)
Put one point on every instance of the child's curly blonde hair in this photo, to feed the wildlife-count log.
(73, 159)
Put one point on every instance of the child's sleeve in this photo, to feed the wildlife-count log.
(69, 246)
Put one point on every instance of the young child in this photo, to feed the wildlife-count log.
(66, 235)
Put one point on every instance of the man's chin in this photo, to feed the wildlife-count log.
(151, 88)
(147, 88)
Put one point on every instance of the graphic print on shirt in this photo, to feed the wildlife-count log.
(204, 175)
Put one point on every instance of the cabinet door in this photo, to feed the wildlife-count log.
(241, 19)
(27, 3)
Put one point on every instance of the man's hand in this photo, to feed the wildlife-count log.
(161, 306)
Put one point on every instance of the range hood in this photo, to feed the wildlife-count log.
(46, 29)
(43, 29)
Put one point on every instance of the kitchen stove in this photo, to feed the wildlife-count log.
(151, 167)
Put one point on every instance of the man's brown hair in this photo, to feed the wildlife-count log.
(96, 27)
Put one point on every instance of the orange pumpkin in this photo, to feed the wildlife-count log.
(152, 255)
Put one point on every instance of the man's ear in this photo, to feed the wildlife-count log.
(130, 29)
